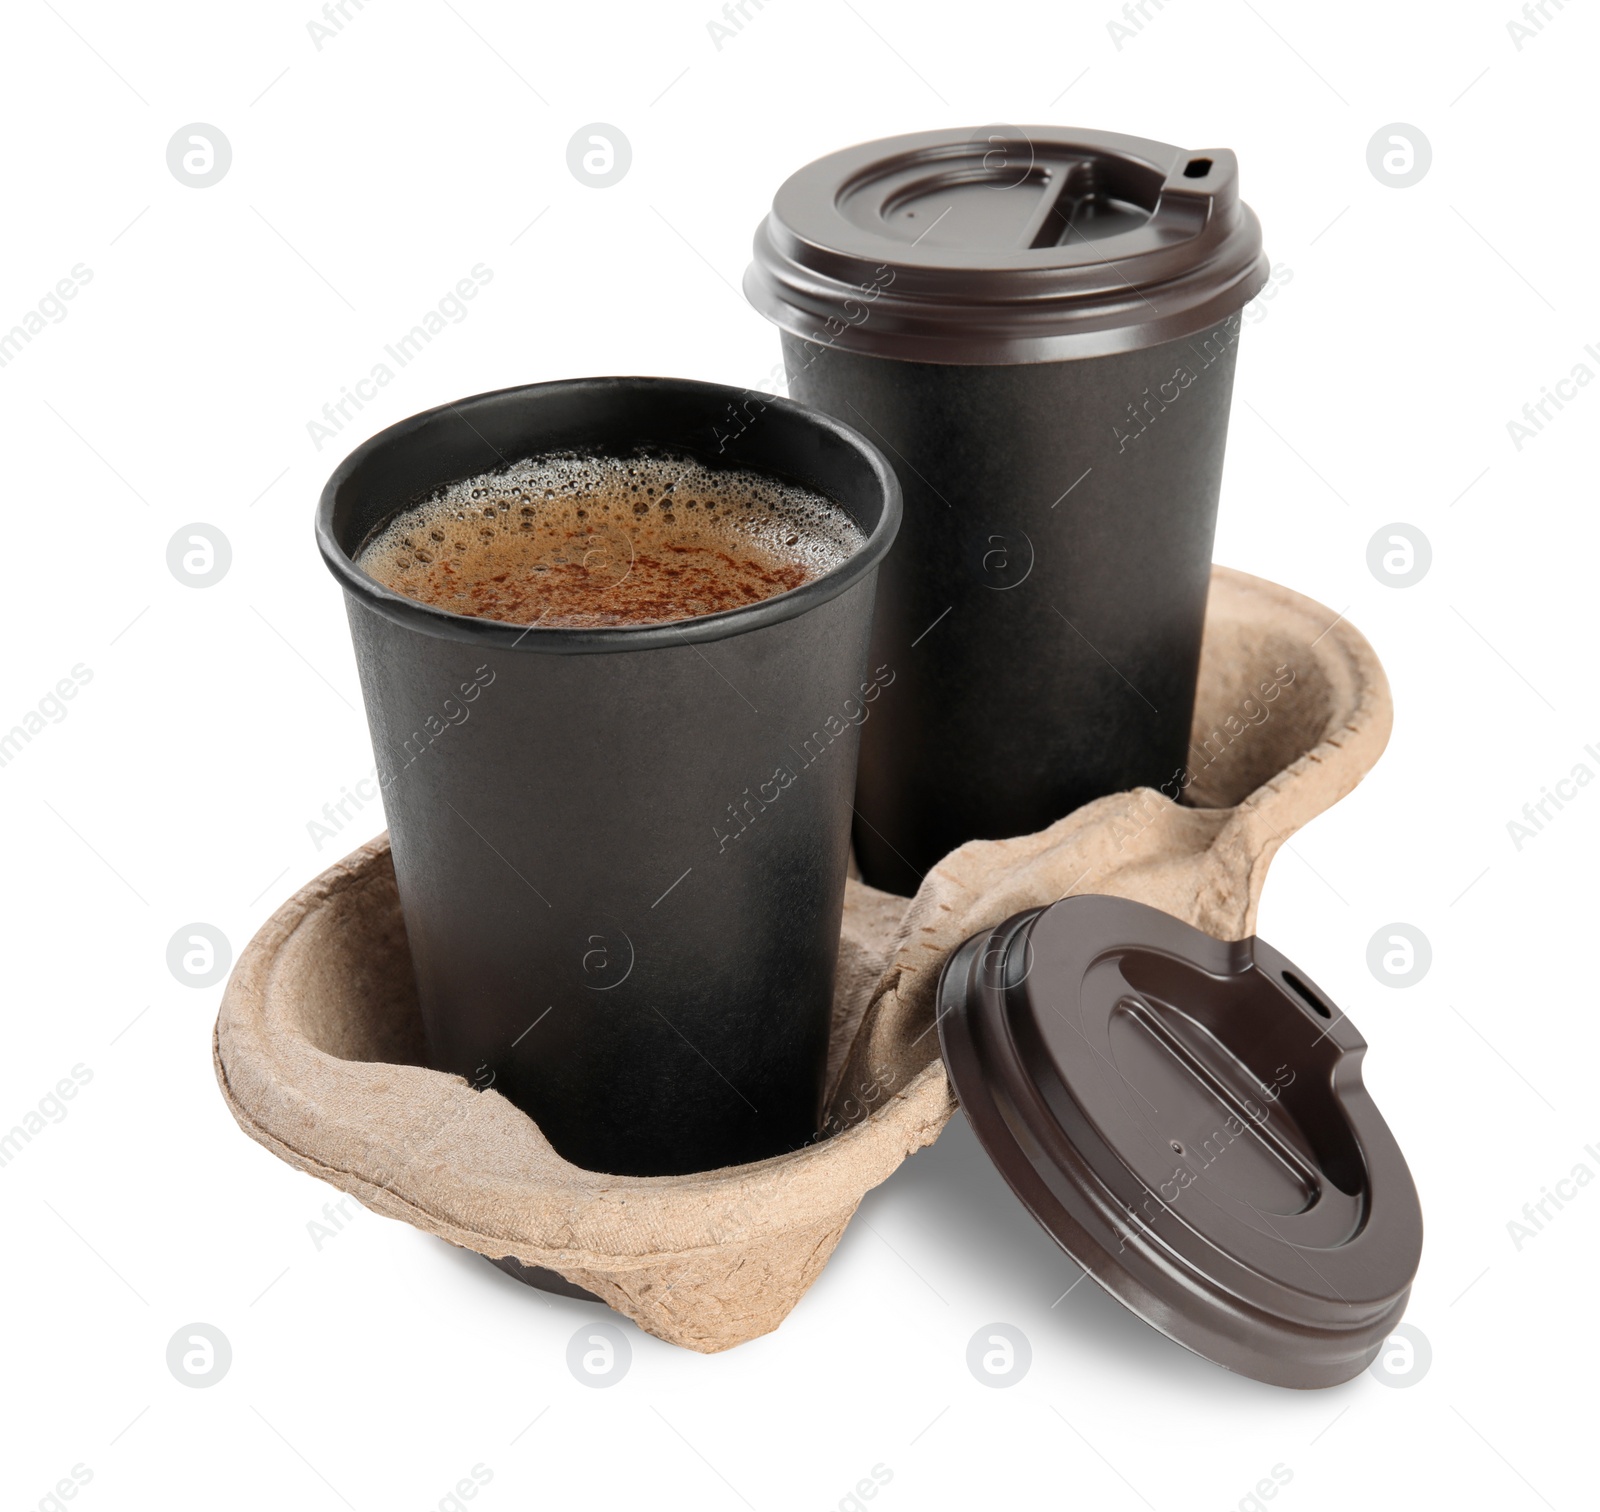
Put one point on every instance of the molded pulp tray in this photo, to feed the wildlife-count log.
(319, 1051)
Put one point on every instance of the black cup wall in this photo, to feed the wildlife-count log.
(1043, 609)
(621, 853)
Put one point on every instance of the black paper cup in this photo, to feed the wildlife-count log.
(1039, 326)
(1046, 637)
(621, 852)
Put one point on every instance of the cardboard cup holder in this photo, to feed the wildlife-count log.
(319, 1051)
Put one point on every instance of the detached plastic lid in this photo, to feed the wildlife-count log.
(1185, 1117)
(1007, 244)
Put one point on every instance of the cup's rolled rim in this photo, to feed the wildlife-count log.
(364, 588)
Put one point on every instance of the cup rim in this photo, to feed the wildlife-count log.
(560, 639)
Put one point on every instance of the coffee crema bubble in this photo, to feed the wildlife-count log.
(584, 542)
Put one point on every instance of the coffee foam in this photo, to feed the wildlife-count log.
(585, 541)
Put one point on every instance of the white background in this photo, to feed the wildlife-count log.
(367, 178)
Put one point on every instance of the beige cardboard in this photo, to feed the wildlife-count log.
(318, 1044)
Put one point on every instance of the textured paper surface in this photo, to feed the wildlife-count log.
(318, 1044)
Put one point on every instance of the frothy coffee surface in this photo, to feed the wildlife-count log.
(585, 542)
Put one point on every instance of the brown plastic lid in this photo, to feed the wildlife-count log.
(1007, 244)
(1185, 1117)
